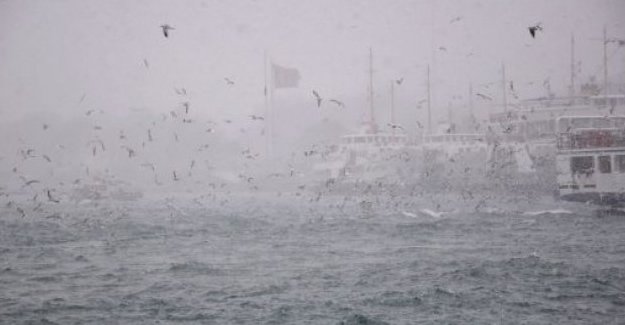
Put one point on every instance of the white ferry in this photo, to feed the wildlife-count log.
(529, 130)
(359, 153)
(590, 159)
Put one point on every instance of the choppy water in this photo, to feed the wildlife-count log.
(280, 261)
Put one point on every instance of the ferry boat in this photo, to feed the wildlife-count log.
(529, 129)
(590, 159)
(361, 153)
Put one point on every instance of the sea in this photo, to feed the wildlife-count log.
(305, 258)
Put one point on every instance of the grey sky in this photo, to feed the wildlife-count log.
(53, 52)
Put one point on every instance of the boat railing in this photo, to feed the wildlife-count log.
(591, 138)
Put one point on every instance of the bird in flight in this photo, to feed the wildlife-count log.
(395, 126)
(50, 198)
(319, 99)
(337, 102)
(256, 117)
(459, 18)
(534, 29)
(166, 28)
(229, 82)
(484, 96)
(399, 81)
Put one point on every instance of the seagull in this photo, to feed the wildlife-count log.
(419, 125)
(50, 198)
(30, 182)
(96, 141)
(256, 117)
(175, 176)
(131, 152)
(395, 126)
(433, 214)
(459, 18)
(149, 165)
(186, 107)
(146, 63)
(46, 158)
(337, 102)
(229, 82)
(319, 99)
(399, 81)
(484, 96)
(166, 29)
(535, 28)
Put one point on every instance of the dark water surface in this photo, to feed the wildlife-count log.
(276, 261)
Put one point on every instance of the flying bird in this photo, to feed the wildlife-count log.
(399, 81)
(256, 117)
(459, 18)
(534, 29)
(131, 152)
(484, 96)
(229, 82)
(149, 165)
(186, 107)
(337, 102)
(146, 63)
(395, 126)
(319, 99)
(166, 28)
(50, 198)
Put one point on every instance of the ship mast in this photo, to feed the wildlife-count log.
(429, 106)
(605, 63)
(503, 83)
(371, 109)
(572, 91)
(393, 104)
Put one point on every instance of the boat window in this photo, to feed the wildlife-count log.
(619, 163)
(582, 165)
(605, 164)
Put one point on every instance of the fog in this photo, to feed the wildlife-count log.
(171, 118)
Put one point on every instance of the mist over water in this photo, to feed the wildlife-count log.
(327, 162)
